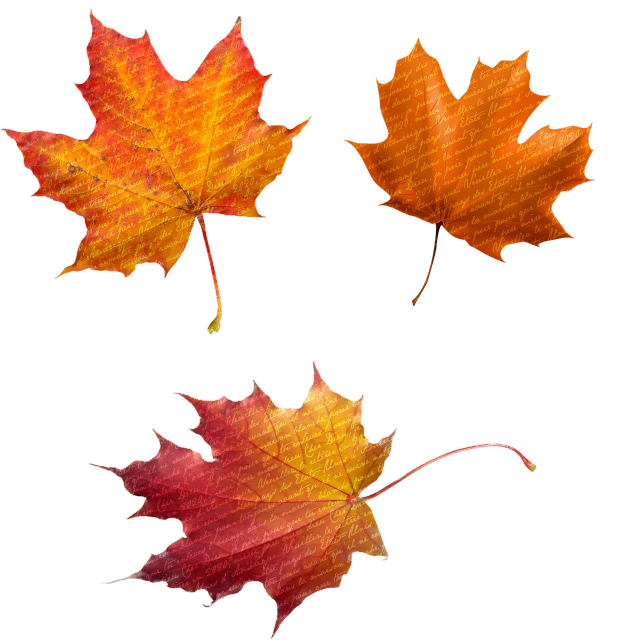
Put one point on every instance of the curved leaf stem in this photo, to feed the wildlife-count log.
(433, 257)
(215, 324)
(527, 463)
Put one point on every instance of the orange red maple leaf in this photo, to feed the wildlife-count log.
(162, 153)
(279, 504)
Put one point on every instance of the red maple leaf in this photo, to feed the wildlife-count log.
(279, 504)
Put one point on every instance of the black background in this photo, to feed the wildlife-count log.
(496, 349)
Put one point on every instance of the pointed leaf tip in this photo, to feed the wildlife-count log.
(134, 576)
(317, 378)
(114, 470)
(94, 21)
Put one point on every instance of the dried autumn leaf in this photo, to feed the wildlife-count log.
(458, 164)
(279, 504)
(162, 153)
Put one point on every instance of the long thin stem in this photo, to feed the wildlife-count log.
(215, 324)
(527, 463)
(433, 257)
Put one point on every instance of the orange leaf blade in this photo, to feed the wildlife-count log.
(458, 162)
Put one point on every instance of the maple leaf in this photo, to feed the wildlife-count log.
(279, 504)
(162, 153)
(458, 163)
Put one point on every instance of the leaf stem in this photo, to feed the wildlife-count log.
(527, 463)
(433, 257)
(215, 324)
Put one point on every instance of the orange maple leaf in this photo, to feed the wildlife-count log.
(279, 504)
(162, 153)
(458, 164)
